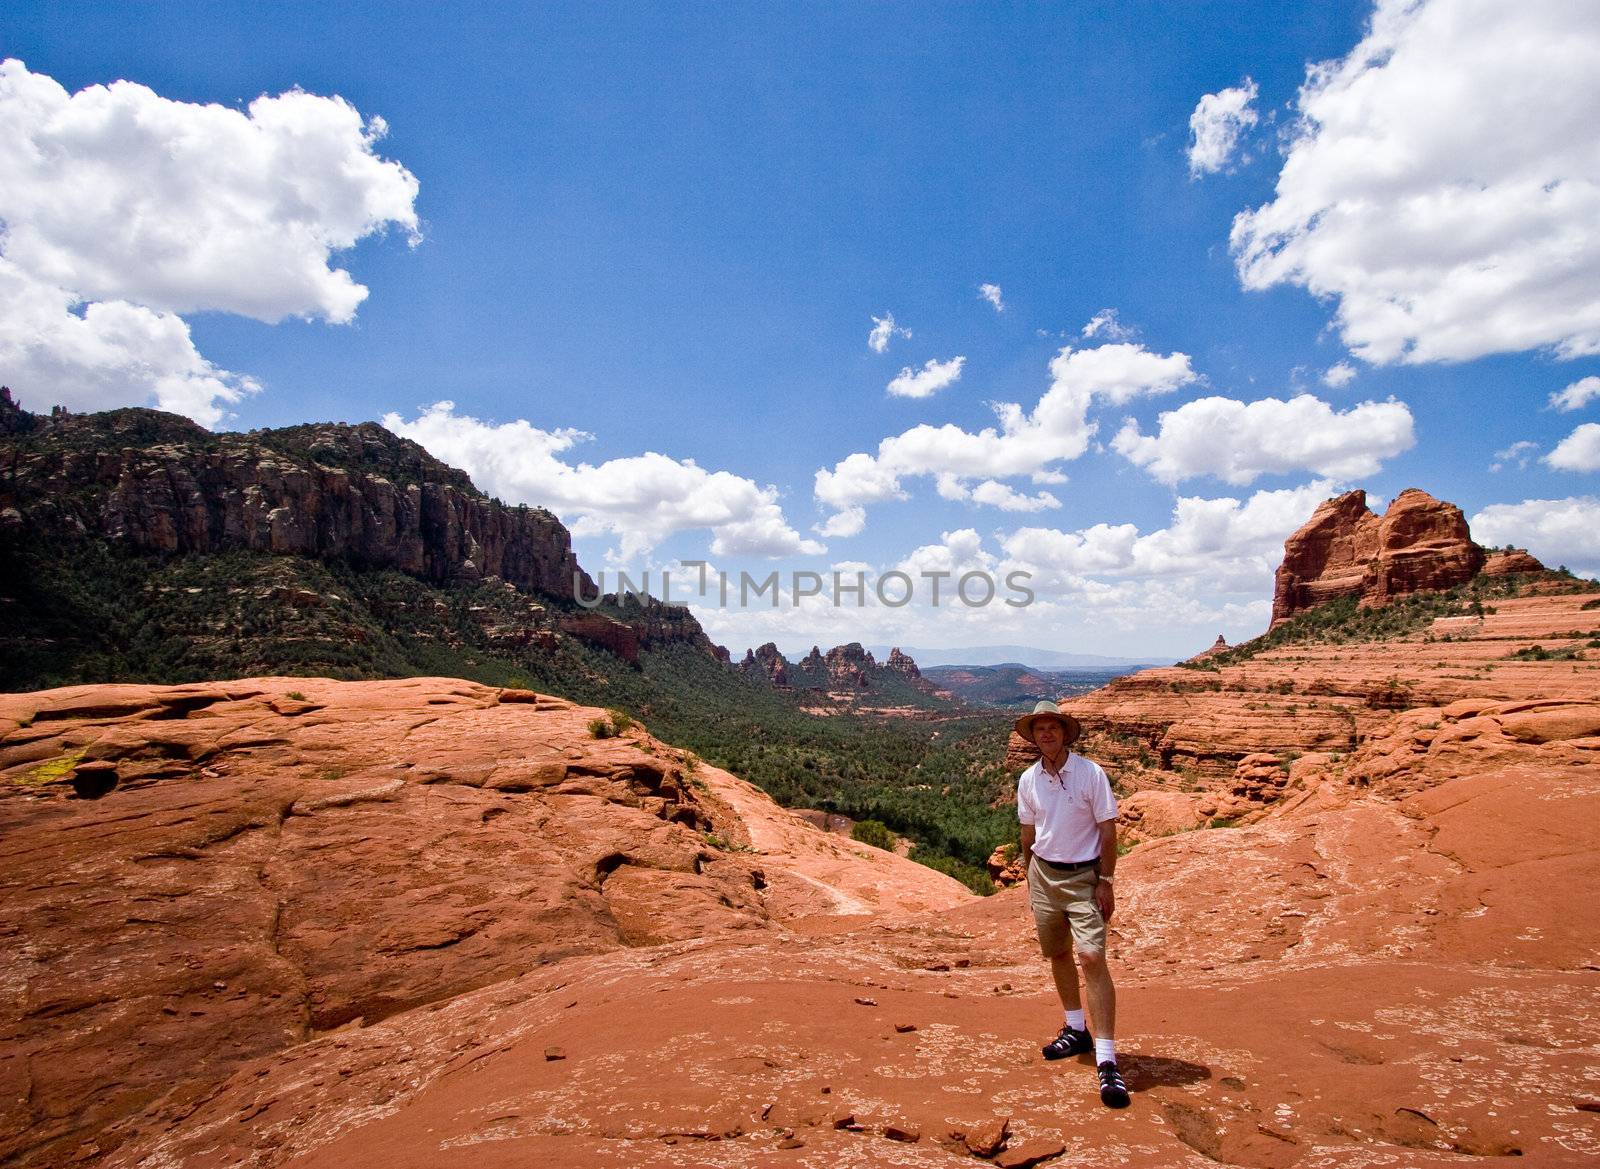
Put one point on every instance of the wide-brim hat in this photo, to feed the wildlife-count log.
(1024, 725)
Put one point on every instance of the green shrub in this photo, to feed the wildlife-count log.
(873, 832)
(601, 728)
(974, 878)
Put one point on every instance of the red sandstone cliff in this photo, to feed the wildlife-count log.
(146, 481)
(157, 482)
(1345, 550)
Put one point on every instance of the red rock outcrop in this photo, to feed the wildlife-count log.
(849, 667)
(1348, 986)
(193, 877)
(1344, 550)
(1154, 813)
(906, 666)
(1195, 724)
(903, 664)
(1020, 753)
(605, 632)
(157, 482)
(1511, 562)
(147, 481)
(766, 663)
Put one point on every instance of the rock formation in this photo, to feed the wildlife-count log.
(197, 877)
(605, 632)
(846, 677)
(767, 664)
(906, 667)
(160, 483)
(1353, 982)
(1276, 724)
(145, 482)
(850, 667)
(1345, 550)
(903, 664)
(292, 922)
(1511, 562)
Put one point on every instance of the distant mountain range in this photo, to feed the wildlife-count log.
(1020, 655)
(1012, 685)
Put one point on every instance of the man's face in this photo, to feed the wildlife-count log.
(1049, 735)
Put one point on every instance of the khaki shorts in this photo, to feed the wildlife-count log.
(1060, 900)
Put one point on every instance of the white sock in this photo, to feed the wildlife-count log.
(1104, 1050)
(1075, 1020)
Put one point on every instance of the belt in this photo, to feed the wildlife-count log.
(1069, 866)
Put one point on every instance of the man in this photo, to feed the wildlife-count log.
(1069, 851)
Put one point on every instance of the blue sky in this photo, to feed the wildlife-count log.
(672, 228)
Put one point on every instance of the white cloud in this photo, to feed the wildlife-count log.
(56, 351)
(1557, 531)
(117, 193)
(1164, 593)
(1339, 375)
(929, 380)
(1576, 396)
(1518, 453)
(1006, 498)
(1057, 430)
(1579, 451)
(857, 479)
(1108, 326)
(123, 210)
(641, 499)
(1216, 125)
(956, 552)
(991, 293)
(883, 331)
(1237, 441)
(849, 522)
(1229, 545)
(1443, 185)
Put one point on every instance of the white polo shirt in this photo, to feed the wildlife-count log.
(1066, 812)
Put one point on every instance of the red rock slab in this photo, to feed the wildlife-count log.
(672, 1064)
(1029, 1154)
(266, 869)
(1284, 991)
(802, 864)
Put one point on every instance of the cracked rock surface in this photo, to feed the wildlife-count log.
(427, 923)
(258, 863)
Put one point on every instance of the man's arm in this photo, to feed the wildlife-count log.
(1028, 833)
(1104, 895)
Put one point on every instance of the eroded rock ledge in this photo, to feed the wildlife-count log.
(196, 876)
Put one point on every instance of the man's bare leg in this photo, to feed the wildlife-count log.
(1102, 992)
(1102, 997)
(1065, 973)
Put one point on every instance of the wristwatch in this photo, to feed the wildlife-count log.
(1106, 878)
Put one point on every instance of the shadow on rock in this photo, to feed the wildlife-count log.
(1143, 1072)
